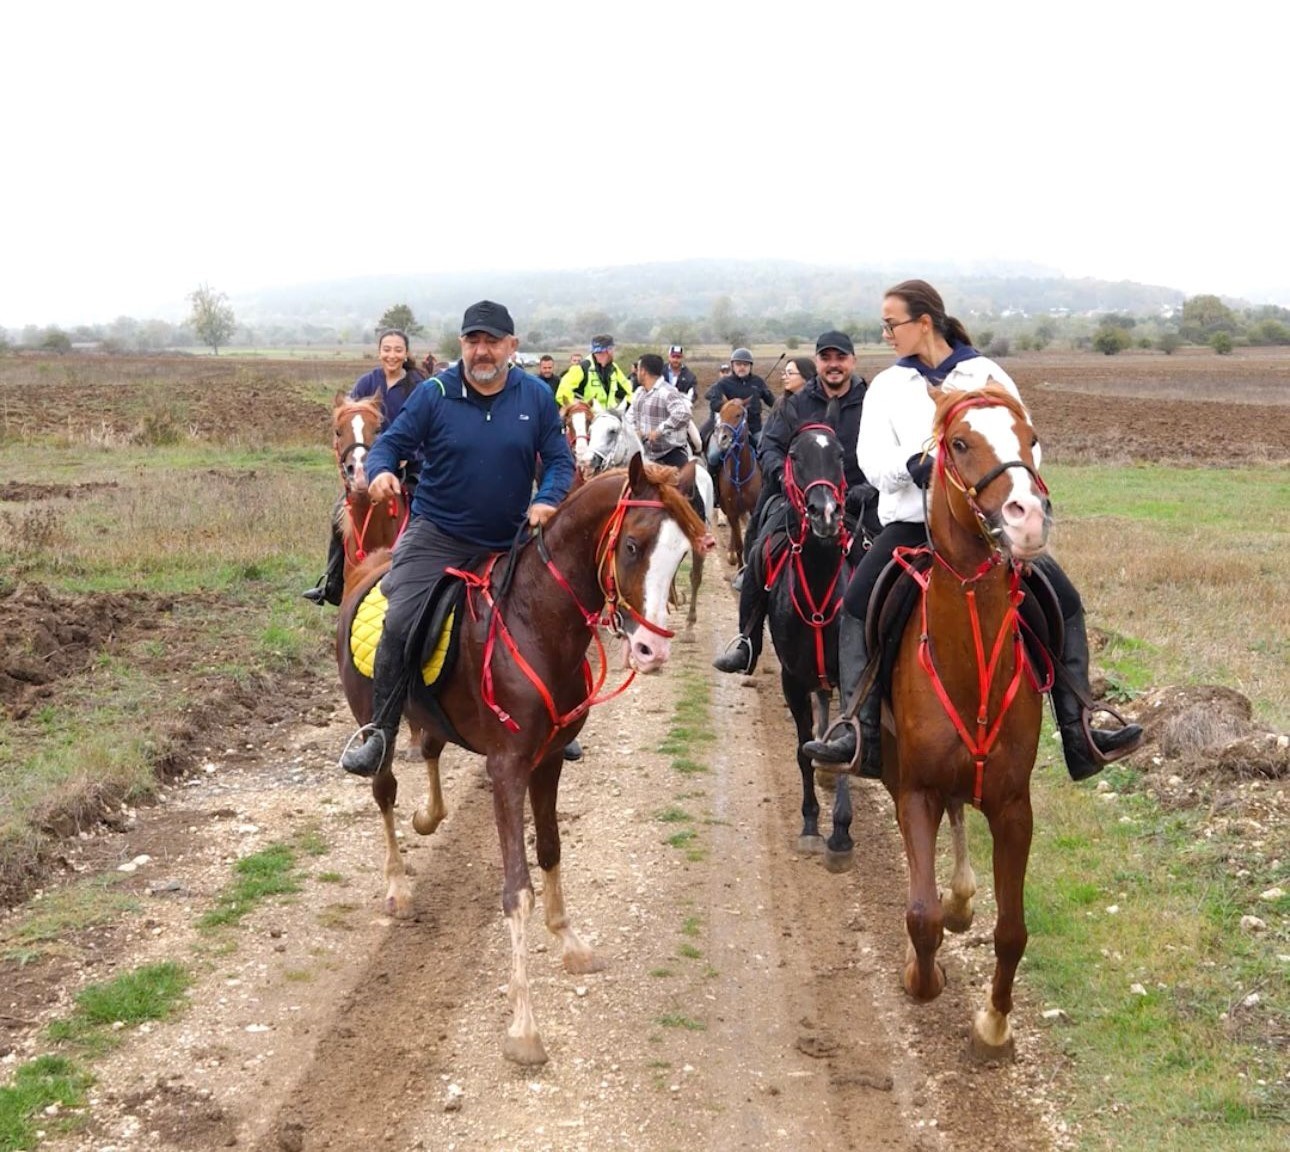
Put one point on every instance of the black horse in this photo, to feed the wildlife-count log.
(802, 560)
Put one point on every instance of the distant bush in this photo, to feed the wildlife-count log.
(1169, 343)
(1111, 341)
(998, 347)
(983, 338)
(793, 343)
(1221, 342)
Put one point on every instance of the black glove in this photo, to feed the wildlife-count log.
(857, 498)
(919, 468)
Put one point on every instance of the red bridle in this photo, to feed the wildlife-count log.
(816, 614)
(359, 531)
(610, 616)
(986, 734)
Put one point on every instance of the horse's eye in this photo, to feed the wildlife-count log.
(631, 547)
(1034, 443)
(959, 444)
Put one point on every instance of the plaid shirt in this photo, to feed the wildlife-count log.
(662, 409)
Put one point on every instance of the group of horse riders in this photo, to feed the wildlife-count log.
(484, 416)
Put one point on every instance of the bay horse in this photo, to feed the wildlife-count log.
(611, 442)
(521, 686)
(803, 566)
(365, 527)
(737, 476)
(965, 706)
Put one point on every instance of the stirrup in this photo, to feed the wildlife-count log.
(367, 731)
(1096, 754)
(841, 722)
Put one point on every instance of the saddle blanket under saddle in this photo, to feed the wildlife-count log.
(441, 634)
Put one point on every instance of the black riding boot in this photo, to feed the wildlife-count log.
(331, 587)
(1087, 749)
(853, 655)
(389, 685)
(745, 650)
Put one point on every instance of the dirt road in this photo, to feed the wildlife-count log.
(751, 999)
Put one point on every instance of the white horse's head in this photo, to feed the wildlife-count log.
(611, 442)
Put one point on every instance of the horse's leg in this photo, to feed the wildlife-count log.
(426, 820)
(919, 814)
(797, 699)
(509, 776)
(737, 536)
(839, 848)
(956, 906)
(398, 893)
(544, 785)
(696, 578)
(1011, 827)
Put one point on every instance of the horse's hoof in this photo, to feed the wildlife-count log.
(983, 1049)
(956, 918)
(525, 1050)
(911, 981)
(838, 862)
(811, 845)
(424, 822)
(582, 962)
(399, 906)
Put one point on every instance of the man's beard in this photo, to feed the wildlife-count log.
(483, 374)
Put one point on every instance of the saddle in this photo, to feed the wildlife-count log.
(433, 644)
(895, 596)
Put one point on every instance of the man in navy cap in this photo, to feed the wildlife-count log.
(598, 380)
(480, 426)
(835, 397)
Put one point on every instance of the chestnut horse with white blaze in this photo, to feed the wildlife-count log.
(965, 705)
(738, 478)
(365, 527)
(521, 686)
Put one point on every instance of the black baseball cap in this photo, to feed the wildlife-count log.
(839, 341)
(488, 317)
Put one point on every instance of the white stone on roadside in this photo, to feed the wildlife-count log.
(1055, 1014)
(1251, 1001)
(1112, 909)
(257, 1027)
(1253, 925)
(1272, 894)
(1137, 990)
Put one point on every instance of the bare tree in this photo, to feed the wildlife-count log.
(212, 318)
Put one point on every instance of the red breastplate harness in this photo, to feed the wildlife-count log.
(816, 614)
(480, 586)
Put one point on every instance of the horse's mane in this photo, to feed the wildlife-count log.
(993, 390)
(661, 477)
(369, 404)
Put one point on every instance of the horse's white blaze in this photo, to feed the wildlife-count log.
(648, 649)
(1022, 511)
(359, 454)
(583, 448)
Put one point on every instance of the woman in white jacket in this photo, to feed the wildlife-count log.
(895, 429)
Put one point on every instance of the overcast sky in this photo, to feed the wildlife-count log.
(150, 147)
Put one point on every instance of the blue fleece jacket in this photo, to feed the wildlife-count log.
(480, 454)
(392, 399)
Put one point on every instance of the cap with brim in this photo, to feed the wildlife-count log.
(676, 350)
(602, 345)
(838, 341)
(486, 316)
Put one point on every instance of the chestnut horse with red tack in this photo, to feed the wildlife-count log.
(577, 416)
(965, 705)
(521, 686)
(365, 527)
(730, 449)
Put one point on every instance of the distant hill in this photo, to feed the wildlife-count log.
(690, 290)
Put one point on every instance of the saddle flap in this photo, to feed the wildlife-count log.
(433, 641)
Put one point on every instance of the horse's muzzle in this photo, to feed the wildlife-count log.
(647, 651)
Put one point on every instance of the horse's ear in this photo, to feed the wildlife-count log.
(745, 401)
(340, 398)
(635, 470)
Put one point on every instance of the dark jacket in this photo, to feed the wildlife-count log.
(392, 399)
(685, 383)
(810, 405)
(751, 388)
(480, 454)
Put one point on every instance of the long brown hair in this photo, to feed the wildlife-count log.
(923, 300)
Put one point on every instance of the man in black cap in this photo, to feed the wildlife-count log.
(679, 375)
(835, 397)
(480, 426)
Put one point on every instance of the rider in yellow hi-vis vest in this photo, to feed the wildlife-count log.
(598, 380)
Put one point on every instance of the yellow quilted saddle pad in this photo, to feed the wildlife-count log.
(365, 634)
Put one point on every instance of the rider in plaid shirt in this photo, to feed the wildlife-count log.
(659, 414)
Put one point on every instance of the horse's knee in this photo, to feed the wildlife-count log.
(385, 789)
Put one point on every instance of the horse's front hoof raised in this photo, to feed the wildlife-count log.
(426, 822)
(525, 1050)
(838, 862)
(956, 916)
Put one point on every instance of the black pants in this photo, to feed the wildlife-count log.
(673, 457)
(423, 552)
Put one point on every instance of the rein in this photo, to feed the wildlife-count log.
(817, 614)
(610, 616)
(733, 454)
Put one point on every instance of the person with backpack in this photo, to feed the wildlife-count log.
(597, 380)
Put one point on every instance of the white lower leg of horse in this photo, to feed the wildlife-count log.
(426, 820)
(957, 909)
(576, 956)
(992, 1028)
(398, 893)
(523, 1025)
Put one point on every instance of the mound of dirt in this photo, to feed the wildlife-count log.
(1206, 729)
(16, 492)
(50, 636)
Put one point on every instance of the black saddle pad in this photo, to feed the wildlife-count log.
(895, 596)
